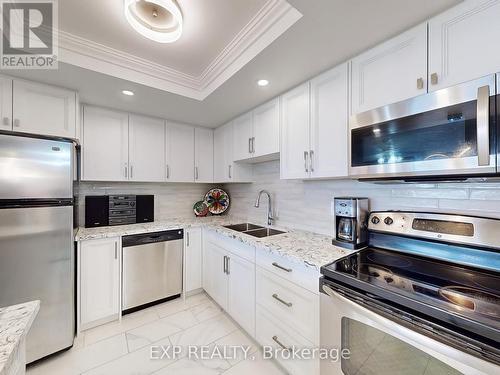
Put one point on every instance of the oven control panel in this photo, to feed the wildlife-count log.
(390, 222)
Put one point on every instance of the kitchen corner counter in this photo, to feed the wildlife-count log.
(308, 248)
(15, 323)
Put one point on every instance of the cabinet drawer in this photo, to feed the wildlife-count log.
(295, 306)
(271, 330)
(297, 273)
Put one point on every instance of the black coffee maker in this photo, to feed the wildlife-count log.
(351, 215)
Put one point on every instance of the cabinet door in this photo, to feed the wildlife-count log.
(204, 155)
(42, 109)
(192, 259)
(329, 123)
(180, 152)
(105, 145)
(242, 137)
(241, 293)
(461, 43)
(146, 149)
(5, 103)
(99, 280)
(295, 110)
(393, 71)
(223, 153)
(266, 129)
(215, 281)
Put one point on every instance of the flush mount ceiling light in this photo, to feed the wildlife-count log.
(128, 92)
(262, 82)
(158, 20)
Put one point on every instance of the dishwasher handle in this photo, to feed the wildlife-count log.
(146, 238)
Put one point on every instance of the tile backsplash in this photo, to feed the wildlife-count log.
(171, 199)
(307, 204)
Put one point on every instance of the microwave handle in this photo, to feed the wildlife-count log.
(483, 126)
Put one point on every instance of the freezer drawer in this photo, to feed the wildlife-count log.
(37, 263)
(35, 168)
(151, 272)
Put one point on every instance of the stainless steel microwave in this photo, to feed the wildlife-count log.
(449, 132)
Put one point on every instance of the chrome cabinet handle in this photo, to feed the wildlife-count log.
(249, 145)
(187, 239)
(434, 78)
(195, 173)
(483, 126)
(131, 171)
(228, 265)
(311, 162)
(168, 172)
(6, 121)
(224, 264)
(17, 123)
(253, 145)
(305, 161)
(277, 298)
(126, 171)
(229, 172)
(116, 250)
(277, 341)
(281, 267)
(420, 83)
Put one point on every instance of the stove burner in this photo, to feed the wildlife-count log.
(375, 271)
(389, 260)
(483, 303)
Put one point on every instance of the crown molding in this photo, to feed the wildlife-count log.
(271, 21)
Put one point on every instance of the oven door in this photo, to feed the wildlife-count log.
(379, 346)
(446, 132)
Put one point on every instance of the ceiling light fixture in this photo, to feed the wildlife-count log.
(128, 92)
(158, 20)
(262, 82)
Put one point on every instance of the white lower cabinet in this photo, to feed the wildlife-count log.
(192, 260)
(215, 281)
(99, 278)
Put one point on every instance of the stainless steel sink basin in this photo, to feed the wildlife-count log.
(243, 227)
(254, 230)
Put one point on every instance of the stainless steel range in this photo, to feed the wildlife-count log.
(423, 297)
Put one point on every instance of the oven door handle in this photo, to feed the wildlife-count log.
(483, 126)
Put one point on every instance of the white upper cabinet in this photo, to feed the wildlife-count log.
(204, 155)
(104, 145)
(180, 152)
(5, 103)
(393, 71)
(43, 109)
(225, 169)
(146, 149)
(462, 43)
(242, 137)
(295, 120)
(266, 129)
(329, 123)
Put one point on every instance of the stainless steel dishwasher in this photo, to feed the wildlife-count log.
(152, 268)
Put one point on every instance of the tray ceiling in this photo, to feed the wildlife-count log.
(219, 38)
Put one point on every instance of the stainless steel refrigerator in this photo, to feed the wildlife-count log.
(36, 236)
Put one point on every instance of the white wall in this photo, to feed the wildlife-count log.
(306, 204)
(171, 199)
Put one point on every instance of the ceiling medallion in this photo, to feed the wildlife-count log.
(158, 20)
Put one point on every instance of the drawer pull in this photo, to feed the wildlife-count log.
(281, 267)
(277, 298)
(277, 341)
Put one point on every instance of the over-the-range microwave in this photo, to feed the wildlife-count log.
(449, 134)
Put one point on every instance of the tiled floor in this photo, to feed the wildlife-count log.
(124, 348)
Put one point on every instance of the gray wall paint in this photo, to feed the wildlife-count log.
(307, 204)
(171, 199)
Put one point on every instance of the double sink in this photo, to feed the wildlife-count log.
(254, 230)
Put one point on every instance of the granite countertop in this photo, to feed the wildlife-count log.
(311, 249)
(15, 322)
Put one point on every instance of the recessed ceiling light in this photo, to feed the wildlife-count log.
(158, 20)
(262, 82)
(128, 92)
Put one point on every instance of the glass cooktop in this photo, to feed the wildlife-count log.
(461, 291)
